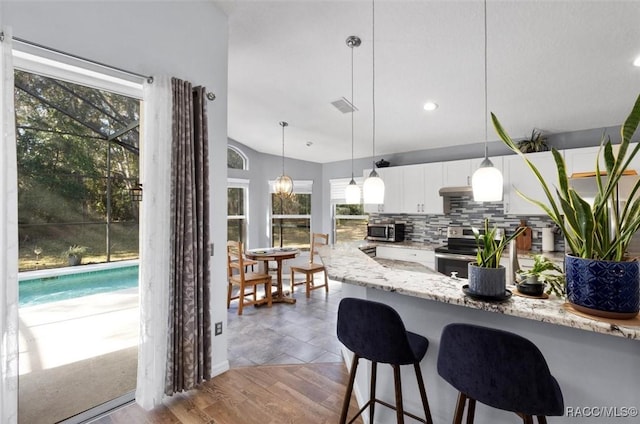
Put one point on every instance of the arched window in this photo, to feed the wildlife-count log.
(236, 159)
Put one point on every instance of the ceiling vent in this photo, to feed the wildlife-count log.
(344, 105)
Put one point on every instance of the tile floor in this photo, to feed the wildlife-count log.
(304, 332)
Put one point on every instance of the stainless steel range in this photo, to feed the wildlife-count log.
(458, 252)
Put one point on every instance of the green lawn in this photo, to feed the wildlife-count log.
(53, 240)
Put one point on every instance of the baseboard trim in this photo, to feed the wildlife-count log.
(219, 368)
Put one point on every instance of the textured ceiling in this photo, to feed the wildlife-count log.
(554, 65)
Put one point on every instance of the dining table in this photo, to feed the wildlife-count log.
(277, 255)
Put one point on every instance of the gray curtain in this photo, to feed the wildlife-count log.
(189, 354)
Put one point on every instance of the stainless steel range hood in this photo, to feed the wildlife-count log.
(461, 191)
(456, 191)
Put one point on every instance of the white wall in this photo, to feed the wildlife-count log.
(183, 39)
(263, 168)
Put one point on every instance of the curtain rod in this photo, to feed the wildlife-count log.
(74, 56)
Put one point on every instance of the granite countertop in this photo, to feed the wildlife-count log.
(553, 256)
(398, 244)
(346, 263)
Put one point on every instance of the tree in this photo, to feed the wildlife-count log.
(64, 132)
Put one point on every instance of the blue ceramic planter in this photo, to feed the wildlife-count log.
(603, 288)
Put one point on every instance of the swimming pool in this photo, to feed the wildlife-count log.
(63, 285)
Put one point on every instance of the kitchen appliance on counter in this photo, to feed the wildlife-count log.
(385, 232)
(460, 249)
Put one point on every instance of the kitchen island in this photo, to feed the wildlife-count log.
(597, 364)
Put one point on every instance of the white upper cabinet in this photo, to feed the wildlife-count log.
(433, 182)
(457, 173)
(421, 184)
(517, 175)
(413, 182)
(582, 160)
(412, 189)
(393, 189)
(392, 177)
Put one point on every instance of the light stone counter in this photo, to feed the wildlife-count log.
(553, 256)
(346, 263)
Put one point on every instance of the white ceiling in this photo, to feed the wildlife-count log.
(554, 65)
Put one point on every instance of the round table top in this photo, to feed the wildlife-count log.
(272, 253)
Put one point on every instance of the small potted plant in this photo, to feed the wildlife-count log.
(532, 281)
(486, 276)
(535, 143)
(74, 254)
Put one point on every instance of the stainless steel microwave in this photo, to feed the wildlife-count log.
(385, 232)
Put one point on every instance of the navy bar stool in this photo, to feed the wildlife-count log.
(499, 369)
(374, 331)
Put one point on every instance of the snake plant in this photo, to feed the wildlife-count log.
(602, 230)
(490, 245)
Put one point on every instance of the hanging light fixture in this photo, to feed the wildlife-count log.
(284, 184)
(373, 187)
(486, 182)
(352, 191)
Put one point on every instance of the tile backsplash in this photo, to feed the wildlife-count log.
(466, 212)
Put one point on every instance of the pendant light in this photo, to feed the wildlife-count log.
(373, 187)
(284, 184)
(352, 191)
(487, 180)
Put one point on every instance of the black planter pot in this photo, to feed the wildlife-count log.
(531, 289)
(607, 289)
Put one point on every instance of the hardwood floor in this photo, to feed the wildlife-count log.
(269, 394)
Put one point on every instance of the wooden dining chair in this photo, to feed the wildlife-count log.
(238, 275)
(310, 269)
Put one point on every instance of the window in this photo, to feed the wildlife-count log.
(349, 221)
(237, 195)
(291, 217)
(236, 159)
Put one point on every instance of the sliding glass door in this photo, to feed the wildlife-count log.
(78, 167)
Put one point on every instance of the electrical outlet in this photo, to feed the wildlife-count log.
(218, 328)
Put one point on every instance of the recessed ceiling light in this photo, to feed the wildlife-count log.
(309, 143)
(430, 106)
(637, 62)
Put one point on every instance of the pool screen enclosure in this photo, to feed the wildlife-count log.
(78, 150)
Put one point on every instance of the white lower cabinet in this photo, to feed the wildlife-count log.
(423, 257)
